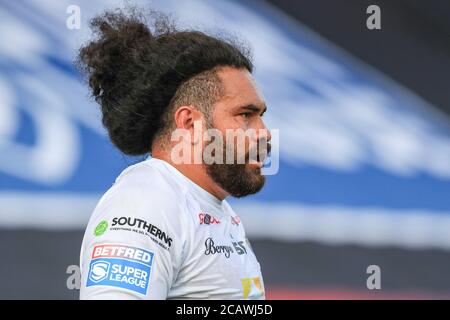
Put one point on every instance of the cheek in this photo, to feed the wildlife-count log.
(224, 122)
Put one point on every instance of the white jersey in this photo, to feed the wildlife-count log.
(155, 234)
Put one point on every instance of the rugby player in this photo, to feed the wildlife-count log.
(164, 230)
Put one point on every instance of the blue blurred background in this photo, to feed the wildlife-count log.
(364, 176)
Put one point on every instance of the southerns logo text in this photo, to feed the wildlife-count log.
(120, 266)
(142, 227)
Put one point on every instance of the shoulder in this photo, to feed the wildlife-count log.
(145, 211)
(144, 188)
(145, 193)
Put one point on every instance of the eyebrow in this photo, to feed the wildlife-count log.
(254, 108)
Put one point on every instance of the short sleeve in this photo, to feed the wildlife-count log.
(133, 245)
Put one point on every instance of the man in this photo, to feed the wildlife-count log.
(164, 229)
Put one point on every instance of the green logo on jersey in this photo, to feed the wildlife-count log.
(101, 228)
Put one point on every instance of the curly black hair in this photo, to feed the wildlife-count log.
(135, 71)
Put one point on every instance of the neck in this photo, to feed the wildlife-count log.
(195, 172)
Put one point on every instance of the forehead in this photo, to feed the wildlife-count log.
(239, 87)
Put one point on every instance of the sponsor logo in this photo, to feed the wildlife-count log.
(120, 266)
(206, 218)
(99, 271)
(101, 228)
(212, 248)
(235, 220)
(142, 227)
(239, 247)
(252, 288)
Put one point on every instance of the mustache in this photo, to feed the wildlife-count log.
(258, 152)
(261, 151)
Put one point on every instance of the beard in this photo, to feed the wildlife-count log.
(236, 179)
(239, 180)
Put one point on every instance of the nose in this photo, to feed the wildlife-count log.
(263, 131)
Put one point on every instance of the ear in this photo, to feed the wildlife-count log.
(190, 119)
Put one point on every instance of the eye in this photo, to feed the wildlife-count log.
(246, 114)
